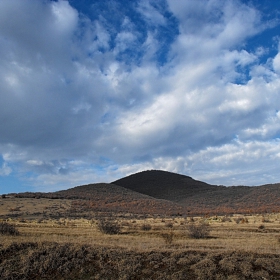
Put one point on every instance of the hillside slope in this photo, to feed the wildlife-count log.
(109, 198)
(199, 197)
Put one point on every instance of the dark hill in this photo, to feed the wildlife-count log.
(166, 185)
(199, 197)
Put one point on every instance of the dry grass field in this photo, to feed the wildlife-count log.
(52, 244)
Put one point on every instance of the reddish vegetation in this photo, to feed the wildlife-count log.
(110, 198)
(200, 198)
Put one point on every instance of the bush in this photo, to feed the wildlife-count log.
(146, 227)
(192, 220)
(199, 231)
(265, 220)
(225, 219)
(169, 225)
(261, 227)
(168, 237)
(241, 220)
(8, 229)
(108, 226)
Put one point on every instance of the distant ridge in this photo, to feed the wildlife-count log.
(162, 192)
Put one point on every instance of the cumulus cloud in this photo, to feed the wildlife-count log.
(152, 14)
(89, 95)
(5, 170)
(276, 62)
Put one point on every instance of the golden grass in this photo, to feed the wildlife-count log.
(239, 247)
(31, 206)
(224, 236)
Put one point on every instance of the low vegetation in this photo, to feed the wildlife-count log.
(108, 226)
(199, 231)
(43, 238)
(146, 227)
(8, 229)
(168, 237)
(69, 261)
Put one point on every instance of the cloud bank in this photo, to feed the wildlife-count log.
(95, 92)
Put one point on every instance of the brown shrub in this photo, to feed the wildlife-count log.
(265, 220)
(261, 227)
(50, 260)
(205, 269)
(246, 268)
(8, 229)
(241, 220)
(169, 225)
(244, 221)
(146, 227)
(191, 220)
(228, 265)
(168, 237)
(225, 219)
(272, 266)
(198, 231)
(108, 226)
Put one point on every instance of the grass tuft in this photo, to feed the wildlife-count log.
(199, 231)
(8, 229)
(108, 226)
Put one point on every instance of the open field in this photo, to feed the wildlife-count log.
(53, 244)
(260, 234)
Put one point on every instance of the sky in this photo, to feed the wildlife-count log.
(92, 91)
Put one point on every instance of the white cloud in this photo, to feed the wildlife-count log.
(124, 40)
(66, 18)
(234, 163)
(152, 15)
(223, 21)
(228, 164)
(83, 106)
(83, 98)
(5, 170)
(276, 63)
(35, 162)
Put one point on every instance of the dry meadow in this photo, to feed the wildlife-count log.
(54, 243)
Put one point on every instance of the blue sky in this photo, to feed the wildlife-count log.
(92, 91)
